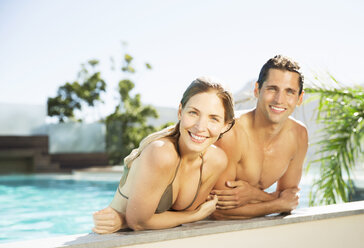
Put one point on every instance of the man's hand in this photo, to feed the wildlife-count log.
(240, 194)
(108, 220)
(289, 199)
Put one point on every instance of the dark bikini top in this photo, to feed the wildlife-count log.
(166, 200)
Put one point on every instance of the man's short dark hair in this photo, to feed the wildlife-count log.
(283, 63)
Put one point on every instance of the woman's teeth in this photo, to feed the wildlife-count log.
(196, 137)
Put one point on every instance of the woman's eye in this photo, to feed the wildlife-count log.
(193, 112)
(215, 119)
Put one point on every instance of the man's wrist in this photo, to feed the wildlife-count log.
(264, 196)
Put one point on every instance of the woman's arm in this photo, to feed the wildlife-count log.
(169, 219)
(108, 220)
(155, 171)
(140, 217)
(146, 200)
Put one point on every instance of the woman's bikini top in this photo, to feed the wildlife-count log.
(166, 200)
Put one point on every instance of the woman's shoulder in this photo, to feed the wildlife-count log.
(161, 153)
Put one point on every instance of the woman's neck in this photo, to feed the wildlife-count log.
(186, 155)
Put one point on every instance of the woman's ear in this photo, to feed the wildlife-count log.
(179, 111)
(227, 128)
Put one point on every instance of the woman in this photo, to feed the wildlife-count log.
(169, 177)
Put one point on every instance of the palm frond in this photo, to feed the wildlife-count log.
(341, 112)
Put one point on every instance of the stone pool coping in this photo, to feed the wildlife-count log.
(205, 227)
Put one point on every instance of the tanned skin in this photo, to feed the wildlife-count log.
(265, 146)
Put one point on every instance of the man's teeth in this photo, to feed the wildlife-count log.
(276, 108)
(197, 137)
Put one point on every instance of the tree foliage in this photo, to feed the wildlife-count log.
(341, 112)
(86, 90)
(126, 126)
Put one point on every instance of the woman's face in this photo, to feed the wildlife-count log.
(202, 120)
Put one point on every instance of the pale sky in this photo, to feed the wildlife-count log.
(43, 43)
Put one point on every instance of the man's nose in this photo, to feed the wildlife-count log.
(279, 97)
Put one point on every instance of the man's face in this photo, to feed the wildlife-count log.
(279, 95)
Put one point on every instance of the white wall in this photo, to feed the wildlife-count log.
(22, 119)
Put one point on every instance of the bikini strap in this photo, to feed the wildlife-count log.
(175, 173)
(179, 163)
(199, 184)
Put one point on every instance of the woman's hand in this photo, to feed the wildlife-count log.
(108, 220)
(208, 207)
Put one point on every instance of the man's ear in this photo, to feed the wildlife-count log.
(179, 111)
(300, 98)
(256, 90)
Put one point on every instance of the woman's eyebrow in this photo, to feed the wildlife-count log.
(194, 108)
(216, 116)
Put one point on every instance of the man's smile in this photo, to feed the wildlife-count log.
(277, 109)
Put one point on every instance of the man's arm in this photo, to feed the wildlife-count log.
(287, 201)
(292, 176)
(240, 193)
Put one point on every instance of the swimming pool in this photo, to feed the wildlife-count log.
(41, 206)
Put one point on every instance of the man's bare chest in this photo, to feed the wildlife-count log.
(263, 167)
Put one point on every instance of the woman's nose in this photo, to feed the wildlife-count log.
(201, 124)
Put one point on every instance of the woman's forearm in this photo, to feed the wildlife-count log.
(169, 219)
(164, 220)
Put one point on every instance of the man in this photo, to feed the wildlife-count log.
(265, 146)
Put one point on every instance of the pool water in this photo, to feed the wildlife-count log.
(36, 206)
(42, 206)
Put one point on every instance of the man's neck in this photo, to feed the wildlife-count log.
(265, 130)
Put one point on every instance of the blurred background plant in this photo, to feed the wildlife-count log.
(85, 91)
(126, 126)
(340, 113)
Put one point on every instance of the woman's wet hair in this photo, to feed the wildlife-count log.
(200, 85)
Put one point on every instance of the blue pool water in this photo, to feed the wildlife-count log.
(42, 206)
(38, 206)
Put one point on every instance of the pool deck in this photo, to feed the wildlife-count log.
(340, 225)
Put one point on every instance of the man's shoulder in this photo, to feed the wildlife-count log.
(299, 129)
(242, 113)
(243, 123)
(297, 124)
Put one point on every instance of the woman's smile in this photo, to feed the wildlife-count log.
(197, 138)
